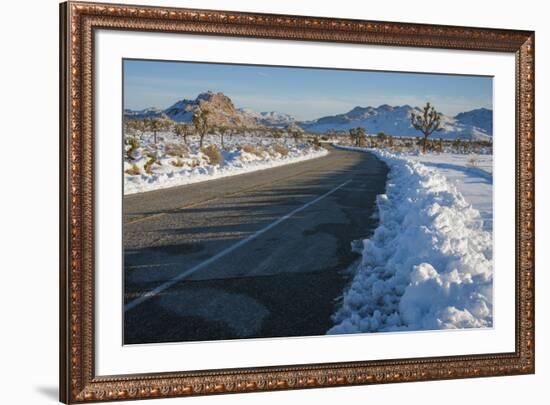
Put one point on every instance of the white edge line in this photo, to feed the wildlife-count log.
(183, 274)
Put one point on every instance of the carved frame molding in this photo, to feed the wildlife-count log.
(78, 21)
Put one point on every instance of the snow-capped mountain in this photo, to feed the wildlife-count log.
(481, 118)
(475, 124)
(152, 112)
(269, 118)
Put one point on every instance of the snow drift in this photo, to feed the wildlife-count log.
(428, 264)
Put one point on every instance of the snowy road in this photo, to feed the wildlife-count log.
(253, 255)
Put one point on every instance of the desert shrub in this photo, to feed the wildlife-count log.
(176, 149)
(255, 150)
(431, 146)
(214, 154)
(177, 162)
(133, 171)
(280, 149)
(148, 167)
(133, 144)
(151, 148)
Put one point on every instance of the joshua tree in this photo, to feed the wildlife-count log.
(200, 120)
(296, 135)
(276, 133)
(189, 130)
(135, 127)
(147, 125)
(129, 127)
(353, 135)
(181, 131)
(361, 135)
(381, 136)
(155, 125)
(222, 130)
(284, 134)
(427, 122)
(357, 135)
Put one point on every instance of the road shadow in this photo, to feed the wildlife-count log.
(281, 305)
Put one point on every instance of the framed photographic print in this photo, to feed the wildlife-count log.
(261, 202)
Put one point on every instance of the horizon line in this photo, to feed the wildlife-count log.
(291, 115)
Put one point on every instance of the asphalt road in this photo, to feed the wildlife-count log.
(261, 254)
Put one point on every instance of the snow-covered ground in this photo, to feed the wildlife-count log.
(428, 264)
(177, 164)
(472, 176)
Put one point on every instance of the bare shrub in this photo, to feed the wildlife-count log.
(214, 154)
(255, 150)
(176, 149)
(134, 170)
(280, 149)
(177, 162)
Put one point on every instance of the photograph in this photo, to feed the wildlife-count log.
(293, 201)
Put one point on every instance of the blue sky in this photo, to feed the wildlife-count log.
(305, 93)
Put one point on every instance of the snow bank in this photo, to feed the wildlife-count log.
(196, 167)
(428, 264)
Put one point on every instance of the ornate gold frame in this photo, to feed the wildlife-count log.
(78, 381)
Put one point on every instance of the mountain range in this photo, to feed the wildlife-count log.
(476, 124)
